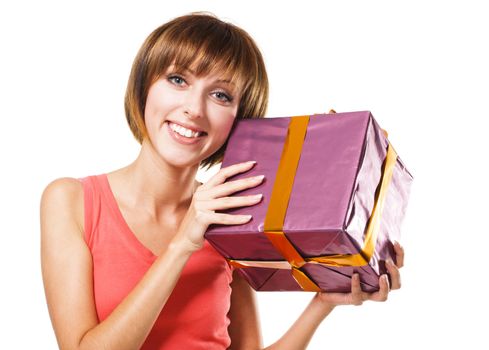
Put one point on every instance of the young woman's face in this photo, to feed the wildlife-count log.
(180, 99)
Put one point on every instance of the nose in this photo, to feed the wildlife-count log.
(194, 104)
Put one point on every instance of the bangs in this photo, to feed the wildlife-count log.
(210, 50)
(202, 43)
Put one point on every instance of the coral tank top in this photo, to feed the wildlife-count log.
(195, 315)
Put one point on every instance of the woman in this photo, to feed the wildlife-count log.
(125, 264)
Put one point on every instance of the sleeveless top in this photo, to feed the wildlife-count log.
(195, 314)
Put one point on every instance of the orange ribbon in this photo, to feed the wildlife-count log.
(277, 208)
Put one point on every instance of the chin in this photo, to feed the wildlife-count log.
(181, 162)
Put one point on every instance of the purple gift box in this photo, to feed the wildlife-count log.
(334, 197)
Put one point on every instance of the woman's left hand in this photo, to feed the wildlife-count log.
(357, 296)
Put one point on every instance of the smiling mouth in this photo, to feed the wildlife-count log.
(185, 132)
(192, 139)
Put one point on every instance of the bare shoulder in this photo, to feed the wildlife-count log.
(66, 262)
(63, 186)
(62, 200)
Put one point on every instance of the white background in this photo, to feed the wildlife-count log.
(421, 67)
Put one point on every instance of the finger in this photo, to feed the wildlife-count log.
(394, 273)
(228, 188)
(228, 219)
(221, 176)
(356, 290)
(232, 202)
(399, 254)
(383, 292)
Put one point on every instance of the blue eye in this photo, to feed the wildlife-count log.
(221, 95)
(177, 79)
(227, 98)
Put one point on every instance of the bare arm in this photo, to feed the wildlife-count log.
(300, 333)
(67, 263)
(67, 275)
(244, 327)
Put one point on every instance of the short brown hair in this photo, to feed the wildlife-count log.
(213, 45)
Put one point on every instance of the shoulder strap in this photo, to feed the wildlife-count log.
(89, 207)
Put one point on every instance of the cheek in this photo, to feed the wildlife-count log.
(224, 127)
(224, 121)
(159, 100)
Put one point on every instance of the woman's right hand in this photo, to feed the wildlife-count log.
(212, 196)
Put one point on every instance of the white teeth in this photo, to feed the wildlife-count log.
(183, 131)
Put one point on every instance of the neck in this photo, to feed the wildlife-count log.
(156, 187)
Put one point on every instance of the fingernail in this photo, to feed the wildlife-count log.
(252, 162)
(260, 177)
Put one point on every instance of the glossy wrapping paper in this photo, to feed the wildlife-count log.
(335, 184)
